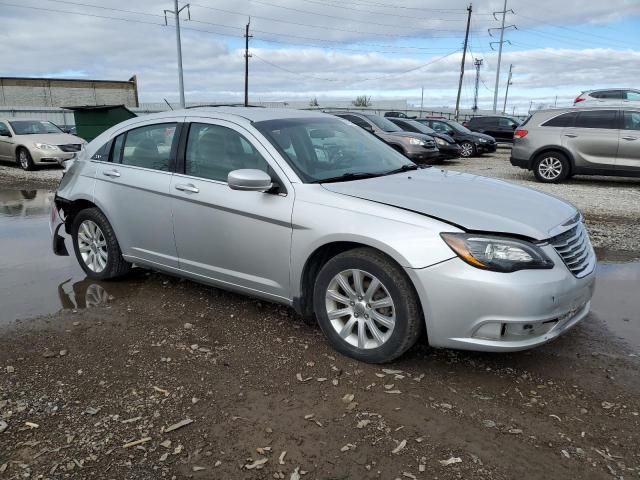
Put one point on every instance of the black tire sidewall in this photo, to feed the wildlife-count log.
(113, 250)
(396, 345)
(30, 164)
(563, 174)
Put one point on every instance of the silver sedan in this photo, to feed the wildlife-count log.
(308, 210)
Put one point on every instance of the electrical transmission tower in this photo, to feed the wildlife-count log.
(502, 41)
(478, 63)
(176, 12)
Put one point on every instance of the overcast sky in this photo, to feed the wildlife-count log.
(329, 49)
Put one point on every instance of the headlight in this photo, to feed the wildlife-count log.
(441, 143)
(482, 140)
(417, 141)
(495, 253)
(46, 146)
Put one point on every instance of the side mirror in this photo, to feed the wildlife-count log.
(368, 128)
(249, 180)
(450, 132)
(6, 133)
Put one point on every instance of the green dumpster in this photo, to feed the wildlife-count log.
(92, 120)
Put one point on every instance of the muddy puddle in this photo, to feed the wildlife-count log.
(35, 282)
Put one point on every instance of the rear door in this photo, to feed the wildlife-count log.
(593, 138)
(133, 190)
(629, 147)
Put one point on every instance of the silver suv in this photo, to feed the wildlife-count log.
(557, 144)
(309, 210)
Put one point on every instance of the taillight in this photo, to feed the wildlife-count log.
(520, 133)
(578, 99)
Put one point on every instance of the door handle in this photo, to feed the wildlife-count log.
(629, 138)
(111, 173)
(187, 188)
(570, 135)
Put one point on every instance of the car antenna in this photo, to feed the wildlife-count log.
(165, 101)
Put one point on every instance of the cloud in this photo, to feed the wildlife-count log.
(43, 43)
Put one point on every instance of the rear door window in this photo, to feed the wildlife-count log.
(634, 96)
(608, 95)
(149, 146)
(631, 120)
(564, 120)
(596, 119)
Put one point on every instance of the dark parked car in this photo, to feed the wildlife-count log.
(447, 145)
(416, 146)
(397, 115)
(499, 127)
(471, 143)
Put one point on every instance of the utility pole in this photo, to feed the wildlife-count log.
(421, 100)
(506, 94)
(464, 56)
(555, 102)
(246, 63)
(176, 11)
(478, 63)
(501, 42)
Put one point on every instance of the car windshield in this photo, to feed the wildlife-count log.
(33, 127)
(383, 123)
(331, 149)
(457, 126)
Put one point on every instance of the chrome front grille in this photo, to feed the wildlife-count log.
(574, 247)
(72, 147)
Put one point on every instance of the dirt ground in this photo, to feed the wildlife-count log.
(166, 378)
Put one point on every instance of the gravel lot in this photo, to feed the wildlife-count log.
(154, 377)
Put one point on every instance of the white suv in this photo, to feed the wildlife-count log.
(611, 96)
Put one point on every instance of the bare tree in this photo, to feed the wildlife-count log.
(362, 101)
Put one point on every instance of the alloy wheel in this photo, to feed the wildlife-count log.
(550, 168)
(24, 160)
(467, 150)
(360, 309)
(92, 246)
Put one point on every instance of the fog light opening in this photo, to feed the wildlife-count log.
(491, 331)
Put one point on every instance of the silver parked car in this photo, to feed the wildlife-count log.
(311, 211)
(557, 144)
(30, 143)
(608, 97)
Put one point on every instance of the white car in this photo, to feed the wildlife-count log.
(610, 96)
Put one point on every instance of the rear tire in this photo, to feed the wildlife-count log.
(24, 160)
(96, 246)
(551, 167)
(374, 319)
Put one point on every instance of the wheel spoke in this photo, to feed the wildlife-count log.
(102, 254)
(84, 247)
(357, 282)
(383, 302)
(388, 322)
(337, 297)
(372, 288)
(342, 312)
(375, 331)
(345, 285)
(362, 335)
(348, 328)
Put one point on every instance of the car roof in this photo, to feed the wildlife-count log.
(251, 114)
(586, 107)
(609, 89)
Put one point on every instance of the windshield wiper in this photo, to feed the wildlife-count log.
(348, 177)
(405, 168)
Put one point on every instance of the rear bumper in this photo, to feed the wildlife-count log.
(55, 223)
(520, 162)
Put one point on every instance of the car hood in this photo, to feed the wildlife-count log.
(471, 202)
(51, 138)
(444, 137)
(423, 136)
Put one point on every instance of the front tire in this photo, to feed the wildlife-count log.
(24, 160)
(366, 306)
(96, 246)
(468, 149)
(551, 167)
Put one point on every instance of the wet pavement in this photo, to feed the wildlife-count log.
(36, 282)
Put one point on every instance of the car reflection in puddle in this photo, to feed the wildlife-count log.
(83, 294)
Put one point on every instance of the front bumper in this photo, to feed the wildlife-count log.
(486, 147)
(471, 309)
(449, 152)
(50, 157)
(421, 154)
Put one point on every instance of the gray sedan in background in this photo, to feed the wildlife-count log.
(311, 211)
